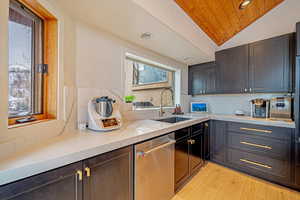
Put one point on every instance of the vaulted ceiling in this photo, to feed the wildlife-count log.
(223, 19)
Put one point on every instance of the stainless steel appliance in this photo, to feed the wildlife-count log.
(104, 106)
(260, 108)
(103, 114)
(281, 108)
(154, 169)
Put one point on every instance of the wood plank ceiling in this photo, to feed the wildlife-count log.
(222, 19)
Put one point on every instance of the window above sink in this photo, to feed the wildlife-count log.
(146, 79)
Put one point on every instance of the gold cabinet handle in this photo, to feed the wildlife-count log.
(206, 124)
(87, 171)
(256, 145)
(79, 175)
(255, 163)
(257, 130)
(191, 141)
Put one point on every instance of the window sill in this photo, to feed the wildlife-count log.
(150, 87)
(29, 123)
(153, 108)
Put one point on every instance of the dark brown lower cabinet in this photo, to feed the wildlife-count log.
(196, 159)
(297, 164)
(189, 153)
(62, 183)
(105, 177)
(297, 176)
(181, 162)
(109, 176)
(262, 151)
(206, 144)
(217, 141)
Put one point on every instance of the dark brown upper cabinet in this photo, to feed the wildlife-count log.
(266, 66)
(298, 38)
(202, 79)
(270, 65)
(232, 69)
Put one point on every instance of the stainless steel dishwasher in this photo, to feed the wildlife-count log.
(154, 169)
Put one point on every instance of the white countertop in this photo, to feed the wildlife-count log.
(67, 149)
(247, 119)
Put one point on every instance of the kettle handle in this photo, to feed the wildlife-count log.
(109, 109)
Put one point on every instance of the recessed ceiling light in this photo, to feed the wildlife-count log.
(244, 4)
(146, 36)
(187, 58)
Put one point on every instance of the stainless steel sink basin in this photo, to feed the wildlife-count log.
(173, 120)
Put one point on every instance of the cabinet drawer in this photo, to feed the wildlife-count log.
(182, 133)
(279, 149)
(197, 129)
(268, 131)
(262, 166)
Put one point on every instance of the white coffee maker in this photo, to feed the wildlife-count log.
(103, 114)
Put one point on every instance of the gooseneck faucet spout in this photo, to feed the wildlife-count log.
(161, 110)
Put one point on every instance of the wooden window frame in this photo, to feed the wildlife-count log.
(50, 58)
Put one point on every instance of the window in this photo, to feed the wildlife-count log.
(32, 33)
(25, 58)
(147, 81)
(146, 74)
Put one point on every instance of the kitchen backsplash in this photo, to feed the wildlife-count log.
(228, 104)
(85, 94)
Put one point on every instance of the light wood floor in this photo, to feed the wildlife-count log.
(215, 182)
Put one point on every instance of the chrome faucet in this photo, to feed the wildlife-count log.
(161, 110)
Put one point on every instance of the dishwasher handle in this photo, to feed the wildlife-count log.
(144, 153)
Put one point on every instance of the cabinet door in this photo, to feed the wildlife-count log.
(232, 69)
(196, 80)
(181, 162)
(196, 159)
(202, 79)
(111, 176)
(62, 183)
(210, 79)
(297, 175)
(298, 38)
(206, 145)
(217, 145)
(270, 65)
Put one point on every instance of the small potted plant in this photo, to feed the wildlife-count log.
(129, 99)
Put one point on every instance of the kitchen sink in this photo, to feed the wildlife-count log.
(173, 120)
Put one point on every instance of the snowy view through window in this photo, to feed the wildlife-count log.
(145, 74)
(20, 70)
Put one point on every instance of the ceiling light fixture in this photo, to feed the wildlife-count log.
(187, 58)
(146, 36)
(244, 4)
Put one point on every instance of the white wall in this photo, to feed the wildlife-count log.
(178, 21)
(17, 139)
(100, 60)
(88, 58)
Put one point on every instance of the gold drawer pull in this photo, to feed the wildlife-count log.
(79, 175)
(87, 171)
(255, 163)
(257, 145)
(257, 130)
